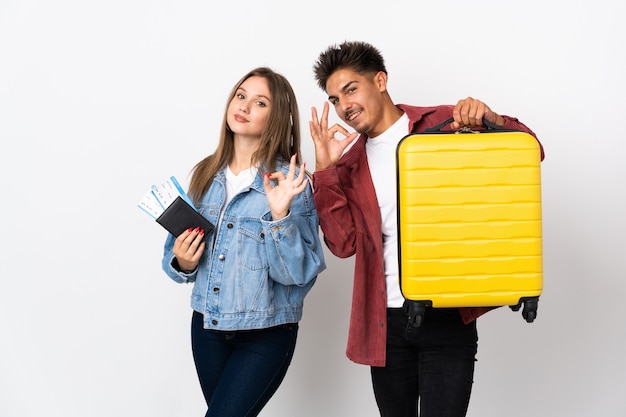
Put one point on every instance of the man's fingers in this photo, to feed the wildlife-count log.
(315, 121)
(325, 116)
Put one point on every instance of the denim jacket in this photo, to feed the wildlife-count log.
(254, 272)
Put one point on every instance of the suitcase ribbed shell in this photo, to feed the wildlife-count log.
(469, 218)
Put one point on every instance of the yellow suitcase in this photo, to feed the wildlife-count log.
(469, 219)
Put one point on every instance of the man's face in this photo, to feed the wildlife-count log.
(357, 98)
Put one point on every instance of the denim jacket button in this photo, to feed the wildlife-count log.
(214, 322)
(221, 257)
(230, 225)
(216, 289)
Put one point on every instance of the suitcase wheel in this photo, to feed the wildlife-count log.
(529, 312)
(415, 311)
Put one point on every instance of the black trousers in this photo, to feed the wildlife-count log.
(429, 369)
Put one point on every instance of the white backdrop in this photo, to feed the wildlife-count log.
(99, 99)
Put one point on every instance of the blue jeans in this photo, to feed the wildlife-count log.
(429, 368)
(239, 371)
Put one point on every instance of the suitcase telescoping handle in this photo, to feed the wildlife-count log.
(486, 123)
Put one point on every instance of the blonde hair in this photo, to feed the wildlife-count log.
(280, 138)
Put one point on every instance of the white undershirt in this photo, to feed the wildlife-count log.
(236, 183)
(381, 158)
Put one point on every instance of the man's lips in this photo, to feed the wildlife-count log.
(353, 115)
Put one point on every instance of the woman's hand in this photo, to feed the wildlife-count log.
(188, 248)
(281, 189)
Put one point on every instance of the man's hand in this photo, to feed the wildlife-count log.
(470, 112)
(328, 149)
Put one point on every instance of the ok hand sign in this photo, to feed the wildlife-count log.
(281, 189)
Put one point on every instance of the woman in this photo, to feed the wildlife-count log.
(252, 272)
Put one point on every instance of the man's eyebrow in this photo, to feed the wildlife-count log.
(344, 88)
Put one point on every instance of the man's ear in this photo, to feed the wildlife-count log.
(380, 79)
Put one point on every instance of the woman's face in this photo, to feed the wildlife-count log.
(249, 108)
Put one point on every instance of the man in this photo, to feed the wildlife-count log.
(427, 368)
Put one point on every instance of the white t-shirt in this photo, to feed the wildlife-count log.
(381, 158)
(236, 183)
